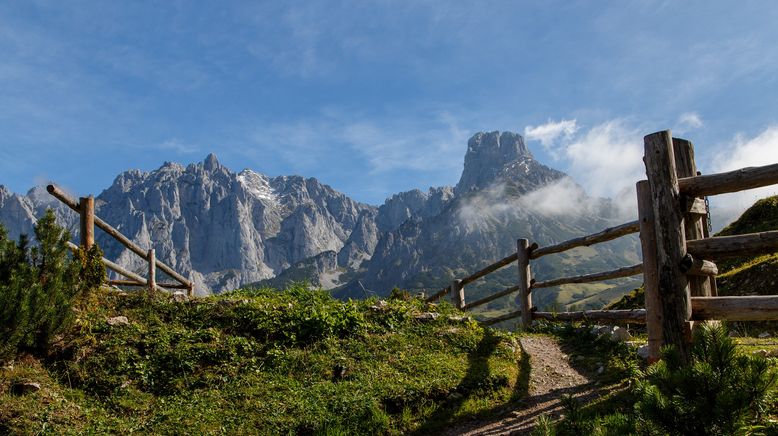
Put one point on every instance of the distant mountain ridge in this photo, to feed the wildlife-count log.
(227, 229)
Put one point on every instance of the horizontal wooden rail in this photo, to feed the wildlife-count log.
(748, 308)
(489, 269)
(693, 266)
(585, 241)
(438, 294)
(134, 283)
(632, 316)
(596, 277)
(63, 197)
(501, 318)
(492, 297)
(720, 247)
(733, 181)
(139, 280)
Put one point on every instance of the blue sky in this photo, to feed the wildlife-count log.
(379, 97)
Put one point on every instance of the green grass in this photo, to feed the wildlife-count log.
(264, 362)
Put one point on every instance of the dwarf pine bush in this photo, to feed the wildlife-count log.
(39, 285)
(721, 391)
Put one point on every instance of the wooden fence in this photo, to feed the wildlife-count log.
(88, 220)
(678, 253)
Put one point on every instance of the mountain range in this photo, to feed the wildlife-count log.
(226, 229)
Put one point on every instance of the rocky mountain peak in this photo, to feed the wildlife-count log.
(488, 153)
(211, 163)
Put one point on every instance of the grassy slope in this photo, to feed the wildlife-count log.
(263, 362)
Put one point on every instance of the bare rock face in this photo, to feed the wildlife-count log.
(225, 230)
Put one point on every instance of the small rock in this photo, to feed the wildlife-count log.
(427, 316)
(380, 306)
(643, 352)
(619, 334)
(118, 320)
(760, 353)
(600, 370)
(22, 388)
(734, 334)
(764, 335)
(179, 296)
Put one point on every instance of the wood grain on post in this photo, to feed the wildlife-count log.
(694, 266)
(525, 275)
(107, 228)
(152, 270)
(585, 241)
(86, 210)
(596, 277)
(650, 271)
(685, 166)
(732, 181)
(740, 308)
(458, 294)
(671, 240)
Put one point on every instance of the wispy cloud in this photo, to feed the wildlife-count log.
(688, 121)
(385, 145)
(759, 150)
(548, 133)
(179, 146)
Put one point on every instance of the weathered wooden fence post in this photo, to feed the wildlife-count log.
(525, 298)
(87, 221)
(671, 241)
(458, 294)
(694, 214)
(152, 282)
(650, 285)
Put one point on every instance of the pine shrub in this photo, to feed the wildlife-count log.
(39, 284)
(720, 392)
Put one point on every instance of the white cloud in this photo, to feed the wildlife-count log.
(744, 152)
(178, 146)
(688, 121)
(548, 133)
(607, 159)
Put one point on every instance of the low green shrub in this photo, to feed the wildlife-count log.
(39, 285)
(721, 391)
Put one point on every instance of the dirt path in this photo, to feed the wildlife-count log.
(551, 376)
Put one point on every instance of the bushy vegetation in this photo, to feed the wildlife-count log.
(39, 285)
(268, 362)
(724, 391)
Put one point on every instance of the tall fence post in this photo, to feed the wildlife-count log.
(525, 298)
(458, 294)
(87, 221)
(671, 241)
(650, 286)
(152, 271)
(694, 224)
